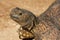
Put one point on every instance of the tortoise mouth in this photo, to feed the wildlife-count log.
(14, 16)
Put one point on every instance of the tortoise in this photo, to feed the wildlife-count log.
(44, 27)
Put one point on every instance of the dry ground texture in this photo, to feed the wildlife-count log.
(8, 28)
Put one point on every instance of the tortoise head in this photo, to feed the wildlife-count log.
(22, 16)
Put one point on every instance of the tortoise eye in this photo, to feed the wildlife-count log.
(20, 13)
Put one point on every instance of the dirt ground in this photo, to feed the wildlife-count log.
(8, 28)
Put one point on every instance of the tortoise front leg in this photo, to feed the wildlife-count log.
(25, 35)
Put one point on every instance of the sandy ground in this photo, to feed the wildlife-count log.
(8, 28)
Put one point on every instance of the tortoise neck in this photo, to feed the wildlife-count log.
(29, 26)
